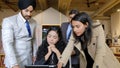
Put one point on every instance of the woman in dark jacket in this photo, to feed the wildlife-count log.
(51, 48)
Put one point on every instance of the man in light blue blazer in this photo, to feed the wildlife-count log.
(19, 40)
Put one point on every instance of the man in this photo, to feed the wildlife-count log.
(66, 32)
(18, 36)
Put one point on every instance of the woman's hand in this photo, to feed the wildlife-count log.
(49, 53)
(49, 50)
(54, 49)
(59, 65)
(73, 52)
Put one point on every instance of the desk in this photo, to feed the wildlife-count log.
(117, 55)
(116, 51)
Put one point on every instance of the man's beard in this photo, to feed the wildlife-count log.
(27, 17)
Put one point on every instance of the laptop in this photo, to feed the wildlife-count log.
(40, 66)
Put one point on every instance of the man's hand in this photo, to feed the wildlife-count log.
(33, 59)
(16, 66)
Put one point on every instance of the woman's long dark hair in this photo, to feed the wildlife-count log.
(45, 44)
(85, 38)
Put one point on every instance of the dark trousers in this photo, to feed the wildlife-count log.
(75, 66)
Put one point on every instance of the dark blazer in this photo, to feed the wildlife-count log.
(64, 27)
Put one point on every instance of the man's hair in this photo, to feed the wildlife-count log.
(23, 4)
(73, 11)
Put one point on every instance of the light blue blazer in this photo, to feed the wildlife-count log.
(18, 46)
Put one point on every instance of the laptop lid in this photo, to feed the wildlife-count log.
(40, 66)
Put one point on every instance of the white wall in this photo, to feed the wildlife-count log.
(115, 26)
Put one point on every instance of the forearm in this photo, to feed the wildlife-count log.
(58, 55)
(47, 56)
(16, 66)
(66, 55)
(67, 51)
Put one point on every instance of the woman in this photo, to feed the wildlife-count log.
(52, 47)
(90, 40)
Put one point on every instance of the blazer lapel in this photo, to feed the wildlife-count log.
(66, 27)
(21, 25)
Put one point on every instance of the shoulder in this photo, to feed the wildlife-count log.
(33, 20)
(95, 25)
(9, 20)
(41, 48)
(44, 45)
(61, 44)
(65, 23)
(97, 28)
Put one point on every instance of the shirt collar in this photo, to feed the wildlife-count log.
(22, 17)
(69, 26)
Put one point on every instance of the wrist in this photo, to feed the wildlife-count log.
(16, 66)
(49, 53)
(12, 66)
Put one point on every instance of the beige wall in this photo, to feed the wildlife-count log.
(115, 23)
(48, 17)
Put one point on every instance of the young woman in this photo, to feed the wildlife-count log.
(90, 40)
(51, 48)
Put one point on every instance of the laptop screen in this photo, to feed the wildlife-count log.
(40, 66)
